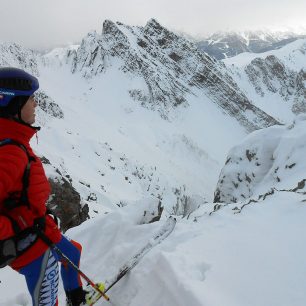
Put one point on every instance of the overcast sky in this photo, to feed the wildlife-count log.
(49, 23)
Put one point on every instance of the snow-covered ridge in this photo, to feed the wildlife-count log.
(14, 55)
(274, 80)
(170, 67)
(58, 56)
(293, 54)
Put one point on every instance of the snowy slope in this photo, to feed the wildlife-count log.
(169, 67)
(253, 258)
(124, 159)
(113, 150)
(274, 80)
(126, 152)
(293, 54)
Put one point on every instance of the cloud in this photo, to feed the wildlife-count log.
(49, 23)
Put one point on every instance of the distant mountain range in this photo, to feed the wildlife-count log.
(221, 45)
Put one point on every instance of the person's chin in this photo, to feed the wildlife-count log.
(32, 121)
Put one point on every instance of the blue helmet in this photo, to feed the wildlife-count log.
(15, 82)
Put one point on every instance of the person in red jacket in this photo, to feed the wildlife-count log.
(21, 210)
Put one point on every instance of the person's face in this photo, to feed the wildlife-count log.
(28, 111)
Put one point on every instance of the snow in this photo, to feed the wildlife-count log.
(114, 127)
(293, 54)
(59, 54)
(253, 258)
(276, 104)
(213, 257)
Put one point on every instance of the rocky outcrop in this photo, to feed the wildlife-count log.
(171, 66)
(299, 102)
(64, 200)
(13, 55)
(268, 160)
(270, 74)
(48, 105)
(245, 168)
(66, 204)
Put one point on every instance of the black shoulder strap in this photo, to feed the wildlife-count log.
(25, 179)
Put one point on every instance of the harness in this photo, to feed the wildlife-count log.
(11, 248)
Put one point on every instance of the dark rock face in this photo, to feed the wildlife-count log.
(272, 75)
(152, 214)
(224, 45)
(64, 200)
(299, 105)
(171, 66)
(264, 73)
(65, 203)
(48, 105)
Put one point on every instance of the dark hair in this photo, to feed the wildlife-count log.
(14, 107)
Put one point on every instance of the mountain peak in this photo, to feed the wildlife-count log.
(92, 34)
(172, 67)
(153, 24)
(109, 27)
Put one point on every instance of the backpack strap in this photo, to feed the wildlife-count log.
(23, 200)
(11, 203)
(12, 248)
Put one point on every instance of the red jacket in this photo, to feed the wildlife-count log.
(13, 161)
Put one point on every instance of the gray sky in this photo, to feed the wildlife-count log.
(49, 23)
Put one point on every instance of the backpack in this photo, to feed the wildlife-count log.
(9, 247)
